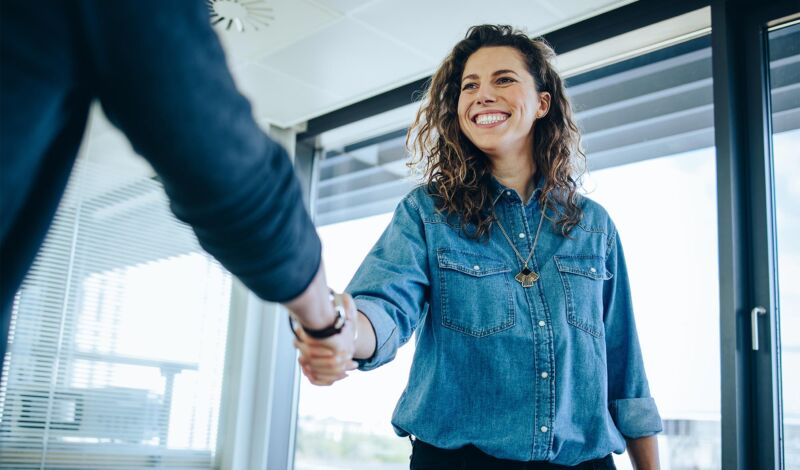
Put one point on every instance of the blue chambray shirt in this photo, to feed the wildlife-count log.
(553, 372)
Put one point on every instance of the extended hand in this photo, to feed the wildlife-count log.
(325, 361)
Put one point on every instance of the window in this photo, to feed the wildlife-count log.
(358, 187)
(648, 131)
(665, 211)
(118, 335)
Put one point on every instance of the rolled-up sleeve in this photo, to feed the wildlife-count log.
(632, 408)
(390, 287)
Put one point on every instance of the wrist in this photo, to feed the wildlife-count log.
(332, 328)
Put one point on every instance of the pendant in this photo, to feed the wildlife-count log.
(526, 277)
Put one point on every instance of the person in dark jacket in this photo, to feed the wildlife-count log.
(159, 72)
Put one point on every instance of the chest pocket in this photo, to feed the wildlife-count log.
(476, 296)
(583, 278)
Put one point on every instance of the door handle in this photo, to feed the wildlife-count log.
(754, 314)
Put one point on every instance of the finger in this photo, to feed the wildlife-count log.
(327, 365)
(326, 379)
(327, 371)
(323, 379)
(322, 372)
(315, 351)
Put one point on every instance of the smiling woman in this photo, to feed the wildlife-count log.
(526, 350)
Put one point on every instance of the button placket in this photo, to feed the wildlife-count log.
(544, 360)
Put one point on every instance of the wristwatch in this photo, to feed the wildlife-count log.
(333, 329)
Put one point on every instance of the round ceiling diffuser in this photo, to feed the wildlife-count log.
(241, 14)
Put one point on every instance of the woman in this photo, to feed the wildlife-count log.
(527, 354)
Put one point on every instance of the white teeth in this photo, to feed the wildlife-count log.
(490, 118)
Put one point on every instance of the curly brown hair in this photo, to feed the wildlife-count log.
(458, 173)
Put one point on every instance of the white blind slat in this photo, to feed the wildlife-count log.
(118, 336)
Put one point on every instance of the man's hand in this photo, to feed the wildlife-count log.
(324, 361)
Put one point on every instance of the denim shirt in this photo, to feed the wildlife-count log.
(552, 372)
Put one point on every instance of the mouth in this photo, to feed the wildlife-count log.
(490, 119)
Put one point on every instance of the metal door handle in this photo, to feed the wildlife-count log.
(754, 323)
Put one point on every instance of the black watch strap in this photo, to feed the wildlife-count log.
(333, 329)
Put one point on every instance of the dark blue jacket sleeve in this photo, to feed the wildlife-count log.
(163, 80)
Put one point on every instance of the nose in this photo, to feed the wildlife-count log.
(485, 95)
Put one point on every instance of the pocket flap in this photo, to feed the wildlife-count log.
(593, 267)
(470, 263)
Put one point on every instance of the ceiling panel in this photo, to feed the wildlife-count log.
(343, 6)
(293, 20)
(279, 98)
(434, 37)
(349, 60)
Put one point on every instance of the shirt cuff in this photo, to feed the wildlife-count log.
(385, 329)
(636, 417)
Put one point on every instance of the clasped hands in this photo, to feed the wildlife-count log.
(325, 361)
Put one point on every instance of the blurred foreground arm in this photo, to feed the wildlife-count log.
(162, 78)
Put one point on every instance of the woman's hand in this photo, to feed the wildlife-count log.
(328, 360)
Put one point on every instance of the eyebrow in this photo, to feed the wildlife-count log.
(474, 76)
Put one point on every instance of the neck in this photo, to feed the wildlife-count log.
(517, 174)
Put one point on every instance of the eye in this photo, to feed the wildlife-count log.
(469, 86)
(505, 80)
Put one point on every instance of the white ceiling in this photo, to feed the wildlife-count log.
(320, 55)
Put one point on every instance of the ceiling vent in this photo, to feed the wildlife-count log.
(240, 14)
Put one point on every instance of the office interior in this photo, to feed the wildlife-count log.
(132, 348)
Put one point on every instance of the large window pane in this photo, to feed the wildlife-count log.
(347, 426)
(665, 210)
(784, 46)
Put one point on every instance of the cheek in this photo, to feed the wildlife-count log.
(460, 110)
(527, 111)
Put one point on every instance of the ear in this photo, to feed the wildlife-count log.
(544, 104)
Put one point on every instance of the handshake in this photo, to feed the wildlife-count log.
(327, 360)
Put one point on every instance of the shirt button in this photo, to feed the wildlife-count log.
(541, 323)
(476, 268)
(543, 428)
(593, 270)
(544, 375)
(508, 193)
(521, 235)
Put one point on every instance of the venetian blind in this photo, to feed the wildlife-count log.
(117, 338)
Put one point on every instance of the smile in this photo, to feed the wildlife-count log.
(491, 118)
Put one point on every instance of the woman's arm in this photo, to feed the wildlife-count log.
(643, 453)
(390, 290)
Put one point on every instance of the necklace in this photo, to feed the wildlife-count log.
(526, 277)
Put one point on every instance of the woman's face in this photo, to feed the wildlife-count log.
(499, 102)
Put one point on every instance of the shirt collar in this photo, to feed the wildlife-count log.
(499, 189)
